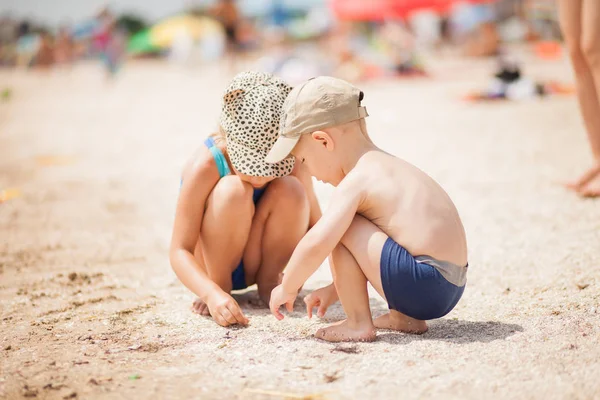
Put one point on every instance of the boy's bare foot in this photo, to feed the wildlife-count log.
(343, 332)
(200, 307)
(592, 188)
(586, 178)
(400, 322)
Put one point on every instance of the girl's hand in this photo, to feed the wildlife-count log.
(280, 297)
(321, 298)
(225, 310)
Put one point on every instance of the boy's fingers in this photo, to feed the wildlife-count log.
(311, 302)
(277, 314)
(289, 306)
(275, 310)
(322, 310)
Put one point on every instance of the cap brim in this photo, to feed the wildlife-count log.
(252, 162)
(281, 149)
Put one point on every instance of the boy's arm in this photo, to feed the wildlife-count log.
(320, 241)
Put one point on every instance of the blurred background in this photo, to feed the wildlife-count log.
(353, 39)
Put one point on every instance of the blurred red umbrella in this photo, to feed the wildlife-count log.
(403, 8)
(375, 10)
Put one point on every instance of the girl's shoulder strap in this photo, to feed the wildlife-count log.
(218, 156)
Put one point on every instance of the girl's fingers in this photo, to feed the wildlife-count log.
(237, 313)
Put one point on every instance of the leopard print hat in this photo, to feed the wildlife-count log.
(250, 116)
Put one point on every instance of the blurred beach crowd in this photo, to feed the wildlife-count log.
(352, 39)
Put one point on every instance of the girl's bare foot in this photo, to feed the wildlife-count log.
(399, 322)
(200, 307)
(586, 178)
(344, 331)
(592, 188)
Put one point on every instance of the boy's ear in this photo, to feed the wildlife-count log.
(324, 139)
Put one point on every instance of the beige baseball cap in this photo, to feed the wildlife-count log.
(318, 103)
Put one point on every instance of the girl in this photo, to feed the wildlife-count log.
(238, 218)
(580, 22)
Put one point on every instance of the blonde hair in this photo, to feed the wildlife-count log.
(220, 139)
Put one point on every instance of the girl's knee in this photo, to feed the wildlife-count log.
(289, 192)
(233, 193)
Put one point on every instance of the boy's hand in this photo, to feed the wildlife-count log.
(278, 298)
(225, 310)
(321, 298)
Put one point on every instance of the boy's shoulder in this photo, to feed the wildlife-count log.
(355, 181)
(376, 168)
(372, 163)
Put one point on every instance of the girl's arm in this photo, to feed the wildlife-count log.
(302, 174)
(197, 185)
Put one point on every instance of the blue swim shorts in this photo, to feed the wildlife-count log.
(420, 287)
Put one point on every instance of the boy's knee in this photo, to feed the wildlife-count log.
(290, 192)
(348, 239)
(337, 255)
(232, 192)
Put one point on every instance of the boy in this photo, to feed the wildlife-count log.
(388, 222)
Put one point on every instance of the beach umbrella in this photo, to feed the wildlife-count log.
(163, 34)
(141, 43)
(403, 8)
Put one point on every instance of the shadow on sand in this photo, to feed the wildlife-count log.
(456, 331)
(448, 330)
(252, 305)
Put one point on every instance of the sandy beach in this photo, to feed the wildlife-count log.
(90, 308)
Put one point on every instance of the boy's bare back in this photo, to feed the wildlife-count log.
(408, 205)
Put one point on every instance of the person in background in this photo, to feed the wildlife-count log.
(580, 22)
(64, 49)
(109, 42)
(227, 13)
(45, 54)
